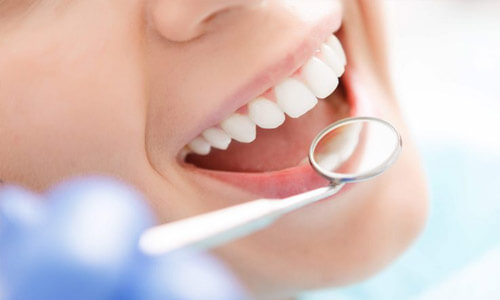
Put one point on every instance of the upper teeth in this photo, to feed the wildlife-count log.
(294, 96)
(240, 128)
(320, 77)
(265, 113)
(217, 138)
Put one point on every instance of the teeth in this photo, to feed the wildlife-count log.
(265, 113)
(320, 78)
(341, 148)
(240, 128)
(294, 98)
(333, 60)
(199, 146)
(336, 46)
(217, 138)
(330, 162)
(351, 141)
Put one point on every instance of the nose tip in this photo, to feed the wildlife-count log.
(184, 20)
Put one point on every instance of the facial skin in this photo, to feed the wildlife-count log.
(117, 88)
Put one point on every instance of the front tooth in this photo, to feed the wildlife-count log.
(240, 128)
(335, 44)
(351, 141)
(333, 60)
(265, 113)
(199, 146)
(217, 138)
(294, 98)
(329, 162)
(320, 78)
(342, 147)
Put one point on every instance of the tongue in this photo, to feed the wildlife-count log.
(275, 149)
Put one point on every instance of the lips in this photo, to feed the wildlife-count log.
(294, 96)
(262, 146)
(275, 164)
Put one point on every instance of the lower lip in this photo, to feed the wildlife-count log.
(291, 181)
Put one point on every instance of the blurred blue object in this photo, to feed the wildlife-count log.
(21, 217)
(20, 211)
(181, 276)
(82, 244)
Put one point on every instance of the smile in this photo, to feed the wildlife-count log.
(294, 96)
(262, 146)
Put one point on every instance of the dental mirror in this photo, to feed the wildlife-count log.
(355, 149)
(350, 150)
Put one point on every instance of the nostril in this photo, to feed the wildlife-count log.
(210, 18)
(185, 20)
(179, 22)
(174, 23)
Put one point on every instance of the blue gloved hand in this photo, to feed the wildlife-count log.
(81, 243)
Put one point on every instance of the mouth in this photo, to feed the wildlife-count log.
(262, 146)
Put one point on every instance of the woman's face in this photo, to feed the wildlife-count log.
(124, 88)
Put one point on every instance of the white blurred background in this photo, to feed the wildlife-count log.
(446, 67)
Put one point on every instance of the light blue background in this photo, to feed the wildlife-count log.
(463, 225)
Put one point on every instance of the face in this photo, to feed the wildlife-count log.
(142, 90)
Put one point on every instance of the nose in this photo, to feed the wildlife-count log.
(184, 20)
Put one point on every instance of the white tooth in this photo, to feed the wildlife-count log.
(335, 44)
(199, 146)
(294, 98)
(340, 149)
(329, 162)
(265, 113)
(217, 138)
(333, 60)
(320, 78)
(351, 141)
(240, 128)
(344, 144)
(350, 145)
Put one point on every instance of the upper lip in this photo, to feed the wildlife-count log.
(273, 74)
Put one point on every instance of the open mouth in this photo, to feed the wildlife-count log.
(264, 144)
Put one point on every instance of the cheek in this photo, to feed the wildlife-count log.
(67, 108)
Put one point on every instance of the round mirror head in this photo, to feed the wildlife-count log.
(355, 149)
